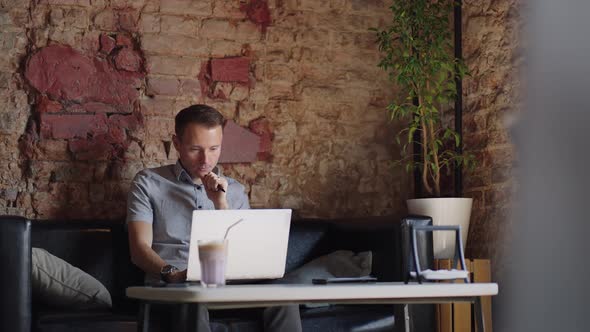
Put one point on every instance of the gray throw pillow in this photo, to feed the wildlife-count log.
(58, 283)
(339, 264)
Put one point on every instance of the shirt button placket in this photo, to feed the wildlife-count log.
(197, 190)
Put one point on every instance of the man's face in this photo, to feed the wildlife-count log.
(199, 148)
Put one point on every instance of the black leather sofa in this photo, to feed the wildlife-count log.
(101, 249)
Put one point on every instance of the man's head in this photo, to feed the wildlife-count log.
(199, 132)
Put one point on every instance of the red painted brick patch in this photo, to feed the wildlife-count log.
(230, 69)
(263, 129)
(239, 144)
(257, 12)
(65, 74)
(60, 126)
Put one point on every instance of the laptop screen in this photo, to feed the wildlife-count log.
(257, 246)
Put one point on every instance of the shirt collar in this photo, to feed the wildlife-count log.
(182, 174)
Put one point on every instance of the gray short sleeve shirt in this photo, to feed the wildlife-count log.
(166, 197)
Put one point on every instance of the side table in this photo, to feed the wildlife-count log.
(457, 316)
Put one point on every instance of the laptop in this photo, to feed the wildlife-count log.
(257, 246)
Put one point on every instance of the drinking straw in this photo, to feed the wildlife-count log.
(232, 225)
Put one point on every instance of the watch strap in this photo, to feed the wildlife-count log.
(166, 271)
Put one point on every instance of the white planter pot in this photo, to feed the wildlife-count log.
(444, 212)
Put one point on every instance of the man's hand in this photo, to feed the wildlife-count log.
(176, 277)
(213, 187)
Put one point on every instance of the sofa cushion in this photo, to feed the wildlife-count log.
(340, 263)
(57, 283)
(304, 238)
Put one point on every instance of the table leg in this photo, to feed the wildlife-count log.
(407, 318)
(186, 317)
(479, 315)
(143, 323)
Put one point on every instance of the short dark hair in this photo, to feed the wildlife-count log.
(199, 114)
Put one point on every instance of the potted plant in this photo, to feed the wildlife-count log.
(417, 52)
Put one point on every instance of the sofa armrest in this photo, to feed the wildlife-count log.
(15, 279)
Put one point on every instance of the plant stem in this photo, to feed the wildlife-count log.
(425, 142)
(436, 175)
(433, 147)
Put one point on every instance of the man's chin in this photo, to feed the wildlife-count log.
(201, 173)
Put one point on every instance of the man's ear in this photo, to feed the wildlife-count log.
(176, 142)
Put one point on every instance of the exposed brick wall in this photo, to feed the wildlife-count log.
(303, 78)
(89, 89)
(492, 52)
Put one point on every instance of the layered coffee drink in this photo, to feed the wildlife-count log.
(212, 256)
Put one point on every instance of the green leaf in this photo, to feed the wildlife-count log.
(409, 167)
(417, 53)
(411, 133)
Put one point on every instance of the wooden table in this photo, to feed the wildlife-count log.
(243, 296)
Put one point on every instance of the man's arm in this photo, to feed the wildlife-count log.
(142, 254)
(141, 233)
(140, 247)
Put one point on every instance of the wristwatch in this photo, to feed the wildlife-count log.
(167, 270)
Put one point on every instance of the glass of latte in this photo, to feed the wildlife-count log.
(213, 257)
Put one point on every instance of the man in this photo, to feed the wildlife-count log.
(161, 201)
